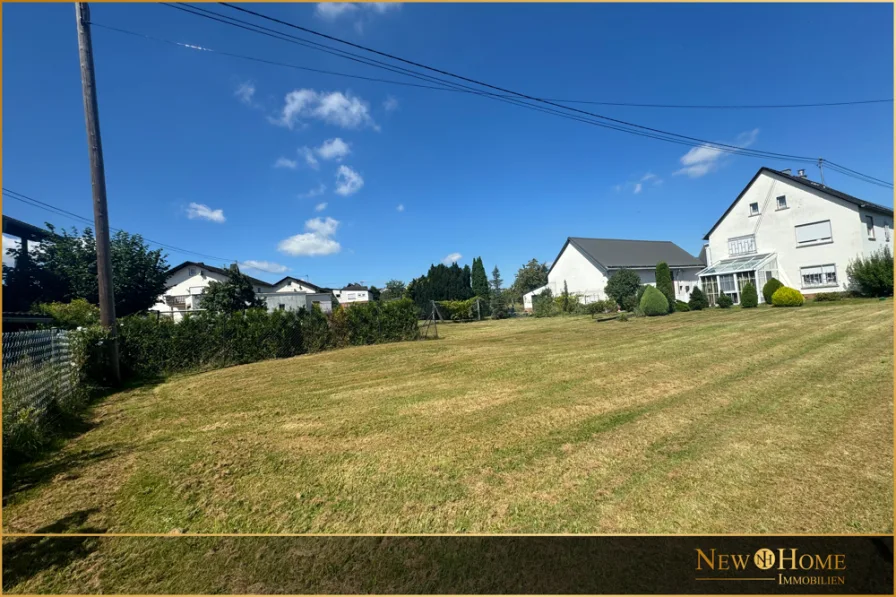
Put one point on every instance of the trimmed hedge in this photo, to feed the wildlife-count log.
(682, 306)
(749, 299)
(769, 289)
(822, 297)
(654, 302)
(787, 297)
(724, 301)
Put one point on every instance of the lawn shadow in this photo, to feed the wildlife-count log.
(24, 557)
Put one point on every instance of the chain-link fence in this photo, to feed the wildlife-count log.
(38, 372)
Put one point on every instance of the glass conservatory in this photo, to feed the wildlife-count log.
(730, 275)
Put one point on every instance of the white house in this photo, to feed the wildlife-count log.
(353, 293)
(585, 265)
(796, 230)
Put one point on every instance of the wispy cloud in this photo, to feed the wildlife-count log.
(245, 93)
(390, 104)
(286, 163)
(317, 239)
(361, 12)
(264, 266)
(333, 149)
(704, 159)
(332, 107)
(451, 258)
(638, 185)
(308, 155)
(400, 207)
(320, 206)
(199, 211)
(315, 192)
(348, 182)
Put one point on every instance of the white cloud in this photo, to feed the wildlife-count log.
(704, 159)
(264, 266)
(320, 206)
(400, 207)
(315, 192)
(333, 107)
(331, 11)
(245, 92)
(451, 258)
(382, 7)
(286, 163)
(391, 104)
(348, 182)
(308, 154)
(333, 149)
(638, 187)
(315, 241)
(204, 212)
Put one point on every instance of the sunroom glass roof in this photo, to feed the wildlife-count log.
(741, 264)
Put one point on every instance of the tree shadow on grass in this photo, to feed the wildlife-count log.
(24, 557)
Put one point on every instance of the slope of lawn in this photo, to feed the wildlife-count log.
(740, 421)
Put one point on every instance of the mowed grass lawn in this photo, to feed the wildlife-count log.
(739, 421)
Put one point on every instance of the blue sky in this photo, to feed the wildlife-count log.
(341, 180)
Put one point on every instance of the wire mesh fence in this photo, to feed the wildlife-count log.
(38, 371)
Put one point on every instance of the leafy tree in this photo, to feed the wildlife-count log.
(394, 290)
(70, 316)
(769, 289)
(529, 277)
(623, 283)
(236, 294)
(375, 293)
(654, 302)
(62, 268)
(543, 304)
(698, 300)
(497, 307)
(664, 283)
(441, 283)
(749, 298)
(873, 275)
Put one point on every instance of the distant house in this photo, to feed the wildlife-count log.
(353, 293)
(586, 264)
(186, 283)
(793, 229)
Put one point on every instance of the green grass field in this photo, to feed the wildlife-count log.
(762, 421)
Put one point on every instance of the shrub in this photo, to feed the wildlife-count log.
(654, 302)
(640, 292)
(69, 316)
(623, 316)
(769, 289)
(873, 275)
(630, 303)
(597, 307)
(567, 303)
(622, 284)
(724, 301)
(461, 310)
(543, 304)
(829, 296)
(698, 300)
(664, 283)
(748, 296)
(787, 297)
(682, 306)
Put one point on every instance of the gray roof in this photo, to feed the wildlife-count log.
(614, 253)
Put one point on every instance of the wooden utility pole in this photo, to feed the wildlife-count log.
(98, 182)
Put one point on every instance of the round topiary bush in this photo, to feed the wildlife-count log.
(787, 297)
(654, 302)
(769, 289)
(724, 301)
(748, 297)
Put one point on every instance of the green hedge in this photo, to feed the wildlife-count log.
(682, 306)
(787, 297)
(749, 298)
(654, 302)
(769, 289)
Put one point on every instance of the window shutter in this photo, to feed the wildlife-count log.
(813, 232)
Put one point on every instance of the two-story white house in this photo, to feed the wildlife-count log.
(353, 293)
(585, 265)
(793, 229)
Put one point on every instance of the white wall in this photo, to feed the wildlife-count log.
(352, 296)
(775, 233)
(181, 283)
(293, 286)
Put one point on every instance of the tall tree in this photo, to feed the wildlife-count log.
(529, 277)
(624, 283)
(497, 305)
(375, 293)
(62, 268)
(236, 294)
(394, 290)
(664, 283)
(479, 283)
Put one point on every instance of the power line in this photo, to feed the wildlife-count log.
(716, 145)
(62, 212)
(437, 88)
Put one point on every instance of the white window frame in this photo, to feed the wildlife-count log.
(735, 242)
(815, 241)
(781, 202)
(756, 213)
(869, 225)
(826, 269)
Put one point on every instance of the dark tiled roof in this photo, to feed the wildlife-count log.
(611, 253)
(314, 287)
(702, 256)
(354, 287)
(217, 270)
(809, 184)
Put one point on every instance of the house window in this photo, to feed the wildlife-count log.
(687, 288)
(728, 286)
(741, 245)
(192, 271)
(819, 275)
(282, 307)
(754, 209)
(869, 223)
(817, 232)
(350, 296)
(782, 202)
